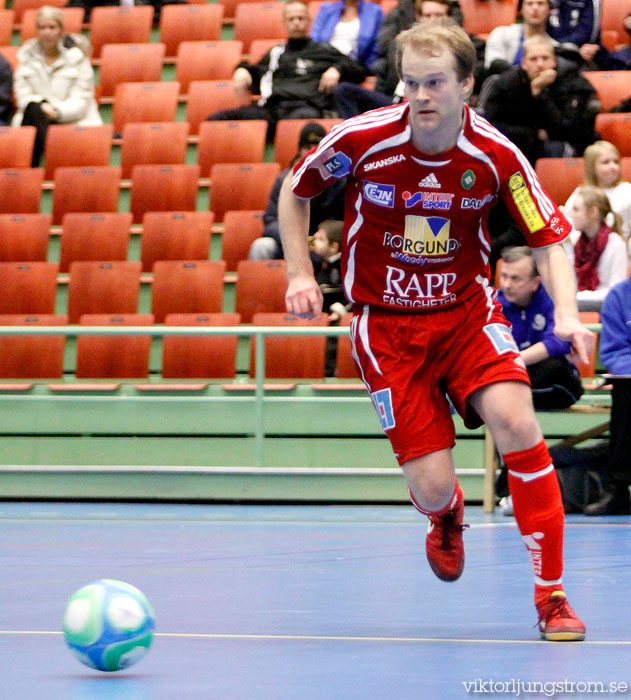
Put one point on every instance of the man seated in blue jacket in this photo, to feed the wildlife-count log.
(615, 353)
(528, 308)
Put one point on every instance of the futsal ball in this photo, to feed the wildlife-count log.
(109, 625)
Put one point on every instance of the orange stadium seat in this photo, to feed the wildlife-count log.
(113, 356)
(11, 54)
(72, 19)
(208, 96)
(345, 365)
(129, 63)
(144, 102)
(481, 16)
(259, 47)
(163, 188)
(292, 356)
(175, 235)
(612, 14)
(200, 356)
(28, 287)
(240, 229)
(241, 186)
(85, 189)
(206, 60)
(119, 25)
(32, 356)
(24, 237)
(186, 286)
(287, 135)
(189, 23)
(20, 190)
(611, 86)
(7, 19)
(16, 146)
(616, 128)
(92, 236)
(20, 6)
(625, 166)
(230, 6)
(259, 20)
(151, 143)
(261, 287)
(230, 142)
(560, 176)
(70, 145)
(103, 287)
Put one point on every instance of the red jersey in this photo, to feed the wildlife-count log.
(415, 231)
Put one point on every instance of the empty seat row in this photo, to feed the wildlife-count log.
(153, 188)
(190, 357)
(177, 286)
(183, 235)
(151, 143)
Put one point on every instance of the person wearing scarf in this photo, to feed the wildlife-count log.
(599, 252)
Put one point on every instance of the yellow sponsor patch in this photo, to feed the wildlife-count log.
(523, 200)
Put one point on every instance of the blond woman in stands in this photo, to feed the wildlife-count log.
(602, 169)
(53, 81)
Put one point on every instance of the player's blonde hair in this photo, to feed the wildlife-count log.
(433, 37)
(592, 154)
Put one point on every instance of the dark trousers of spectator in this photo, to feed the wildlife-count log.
(352, 99)
(34, 116)
(287, 109)
(555, 384)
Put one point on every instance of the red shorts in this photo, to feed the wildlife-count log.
(410, 363)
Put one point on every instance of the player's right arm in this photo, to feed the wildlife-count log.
(303, 297)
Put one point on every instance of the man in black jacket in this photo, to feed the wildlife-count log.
(545, 111)
(295, 79)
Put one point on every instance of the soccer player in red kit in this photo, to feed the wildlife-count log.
(420, 180)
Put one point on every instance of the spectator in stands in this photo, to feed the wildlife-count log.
(596, 57)
(6, 92)
(546, 112)
(329, 205)
(615, 352)
(351, 26)
(352, 99)
(505, 44)
(598, 251)
(89, 5)
(54, 81)
(575, 22)
(530, 311)
(602, 169)
(296, 79)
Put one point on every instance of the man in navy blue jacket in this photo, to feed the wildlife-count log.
(529, 309)
(615, 352)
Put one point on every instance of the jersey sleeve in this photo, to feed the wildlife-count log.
(322, 167)
(539, 218)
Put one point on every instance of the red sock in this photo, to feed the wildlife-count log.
(539, 513)
(456, 496)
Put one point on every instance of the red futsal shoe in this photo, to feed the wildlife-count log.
(557, 621)
(444, 547)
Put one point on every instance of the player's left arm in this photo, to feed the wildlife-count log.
(558, 278)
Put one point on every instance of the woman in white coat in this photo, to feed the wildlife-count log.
(53, 81)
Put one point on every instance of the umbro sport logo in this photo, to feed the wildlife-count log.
(430, 181)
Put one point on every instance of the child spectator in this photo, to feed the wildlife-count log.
(602, 169)
(598, 251)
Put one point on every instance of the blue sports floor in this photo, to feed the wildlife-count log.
(307, 603)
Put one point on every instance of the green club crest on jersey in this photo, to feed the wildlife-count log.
(468, 180)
